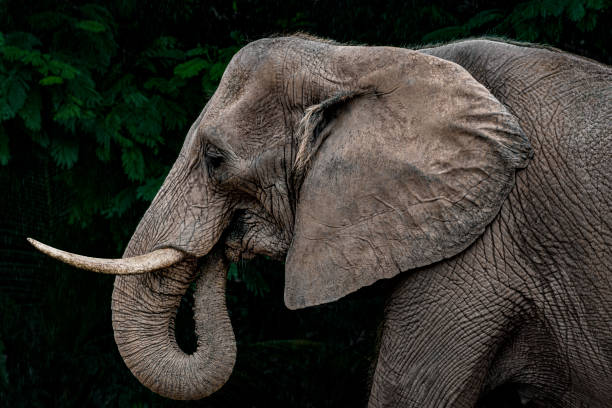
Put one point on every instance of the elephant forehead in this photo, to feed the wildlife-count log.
(249, 125)
(252, 67)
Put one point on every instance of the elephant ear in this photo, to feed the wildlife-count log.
(404, 171)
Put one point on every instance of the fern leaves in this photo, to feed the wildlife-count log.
(532, 21)
(75, 95)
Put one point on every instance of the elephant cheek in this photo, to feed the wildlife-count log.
(187, 214)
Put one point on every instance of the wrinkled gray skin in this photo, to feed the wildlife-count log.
(355, 164)
(530, 303)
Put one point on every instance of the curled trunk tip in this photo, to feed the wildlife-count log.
(143, 322)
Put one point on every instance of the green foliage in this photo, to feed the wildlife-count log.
(5, 155)
(133, 163)
(51, 80)
(250, 274)
(190, 68)
(89, 95)
(120, 203)
(91, 25)
(148, 190)
(64, 152)
(531, 21)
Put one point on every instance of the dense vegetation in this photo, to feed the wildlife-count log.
(95, 99)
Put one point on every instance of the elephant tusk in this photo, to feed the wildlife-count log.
(158, 259)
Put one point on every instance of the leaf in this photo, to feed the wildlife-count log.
(64, 152)
(30, 112)
(552, 7)
(5, 154)
(164, 48)
(42, 138)
(67, 111)
(48, 20)
(15, 91)
(238, 37)
(528, 11)
(23, 39)
(444, 34)
(120, 203)
(217, 70)
(527, 32)
(124, 142)
(250, 275)
(588, 23)
(144, 125)
(576, 11)
(173, 114)
(133, 163)
(161, 85)
(51, 80)
(197, 51)
(483, 18)
(232, 273)
(135, 98)
(598, 4)
(190, 68)
(84, 89)
(102, 154)
(62, 69)
(256, 284)
(91, 26)
(147, 191)
(104, 134)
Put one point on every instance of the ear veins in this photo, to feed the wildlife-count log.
(311, 126)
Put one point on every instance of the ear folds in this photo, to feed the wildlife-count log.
(313, 131)
(408, 170)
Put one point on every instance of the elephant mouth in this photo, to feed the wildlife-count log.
(249, 235)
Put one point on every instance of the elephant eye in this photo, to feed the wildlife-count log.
(214, 158)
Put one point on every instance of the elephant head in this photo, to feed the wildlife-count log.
(351, 163)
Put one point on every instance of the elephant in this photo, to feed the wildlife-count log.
(475, 176)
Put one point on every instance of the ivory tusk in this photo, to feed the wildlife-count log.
(158, 259)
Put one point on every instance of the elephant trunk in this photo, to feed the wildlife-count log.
(144, 308)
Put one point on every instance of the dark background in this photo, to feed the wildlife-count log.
(95, 100)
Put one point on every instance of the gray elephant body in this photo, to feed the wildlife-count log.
(529, 304)
(356, 164)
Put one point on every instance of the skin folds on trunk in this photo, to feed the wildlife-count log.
(144, 308)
